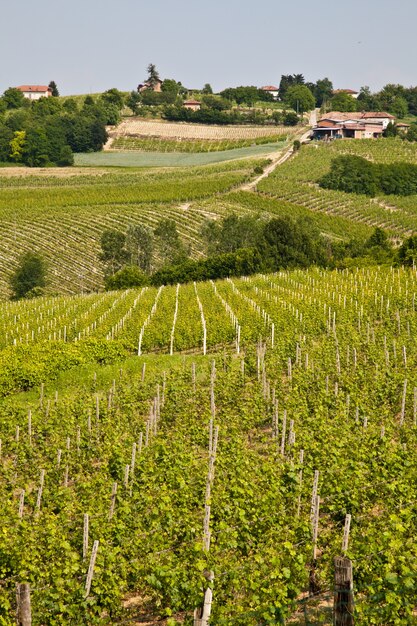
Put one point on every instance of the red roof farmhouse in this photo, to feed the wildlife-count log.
(193, 105)
(341, 125)
(274, 91)
(34, 92)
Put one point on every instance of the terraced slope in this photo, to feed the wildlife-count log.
(63, 217)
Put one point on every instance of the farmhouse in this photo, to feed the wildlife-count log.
(349, 92)
(193, 105)
(274, 91)
(352, 125)
(153, 86)
(34, 92)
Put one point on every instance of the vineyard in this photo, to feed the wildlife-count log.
(155, 144)
(296, 182)
(63, 217)
(245, 432)
(135, 127)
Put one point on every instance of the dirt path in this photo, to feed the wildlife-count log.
(277, 158)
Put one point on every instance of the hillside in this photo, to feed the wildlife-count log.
(62, 216)
(246, 461)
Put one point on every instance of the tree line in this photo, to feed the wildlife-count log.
(354, 174)
(49, 130)
(234, 246)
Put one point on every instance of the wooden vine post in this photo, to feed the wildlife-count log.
(343, 592)
(24, 611)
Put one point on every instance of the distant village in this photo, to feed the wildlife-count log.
(330, 126)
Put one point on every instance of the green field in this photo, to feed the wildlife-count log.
(309, 376)
(172, 159)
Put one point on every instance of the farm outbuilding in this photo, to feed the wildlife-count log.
(193, 105)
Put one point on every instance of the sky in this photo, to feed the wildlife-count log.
(88, 46)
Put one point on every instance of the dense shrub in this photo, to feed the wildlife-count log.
(354, 174)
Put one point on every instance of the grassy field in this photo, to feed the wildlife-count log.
(131, 158)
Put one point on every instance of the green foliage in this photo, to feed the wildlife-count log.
(407, 252)
(171, 248)
(126, 278)
(343, 101)
(242, 262)
(300, 98)
(28, 276)
(17, 146)
(113, 252)
(241, 95)
(352, 174)
(13, 98)
(139, 245)
(288, 81)
(66, 157)
(54, 89)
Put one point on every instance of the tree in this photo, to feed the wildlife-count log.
(171, 247)
(300, 98)
(133, 101)
(407, 252)
(139, 245)
(207, 89)
(13, 98)
(323, 90)
(391, 130)
(29, 276)
(399, 107)
(54, 89)
(351, 174)
(66, 157)
(113, 252)
(113, 96)
(17, 146)
(342, 101)
(126, 278)
(36, 148)
(171, 86)
(153, 75)
(287, 81)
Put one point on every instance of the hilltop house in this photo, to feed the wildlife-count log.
(274, 91)
(341, 125)
(156, 86)
(349, 92)
(34, 92)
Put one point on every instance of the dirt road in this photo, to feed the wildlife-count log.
(277, 158)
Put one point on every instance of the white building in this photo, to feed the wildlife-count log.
(34, 92)
(274, 91)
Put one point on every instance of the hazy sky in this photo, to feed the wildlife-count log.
(92, 45)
